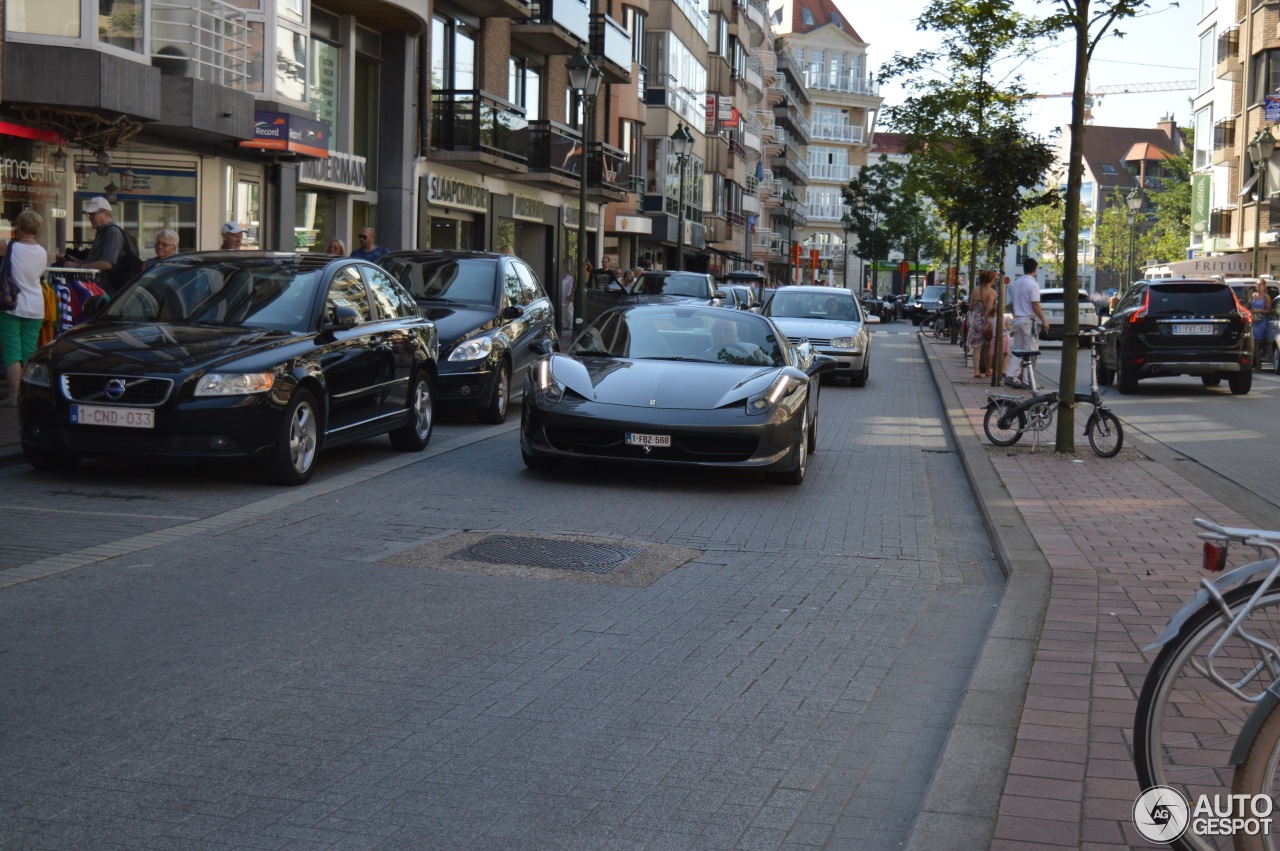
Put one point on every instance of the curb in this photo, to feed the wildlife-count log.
(962, 802)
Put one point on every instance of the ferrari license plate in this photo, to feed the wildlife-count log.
(119, 417)
(1193, 329)
(648, 439)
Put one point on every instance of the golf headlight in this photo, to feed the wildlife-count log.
(36, 373)
(473, 349)
(551, 390)
(844, 342)
(235, 384)
(782, 386)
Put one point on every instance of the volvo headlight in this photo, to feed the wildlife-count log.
(235, 383)
(844, 342)
(36, 373)
(782, 386)
(473, 349)
(551, 390)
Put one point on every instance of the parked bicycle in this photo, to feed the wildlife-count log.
(1009, 416)
(1207, 721)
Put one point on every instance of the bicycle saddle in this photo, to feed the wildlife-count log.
(1026, 355)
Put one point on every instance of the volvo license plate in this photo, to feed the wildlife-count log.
(119, 417)
(648, 439)
(1193, 329)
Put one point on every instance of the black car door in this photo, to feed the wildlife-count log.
(539, 319)
(395, 344)
(354, 368)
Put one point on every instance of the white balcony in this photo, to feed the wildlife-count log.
(824, 212)
(205, 40)
(837, 173)
(846, 83)
(751, 205)
(851, 133)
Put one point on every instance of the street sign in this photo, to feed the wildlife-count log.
(1271, 112)
(904, 269)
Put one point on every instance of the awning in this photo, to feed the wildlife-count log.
(1248, 186)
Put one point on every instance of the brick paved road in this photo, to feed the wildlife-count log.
(258, 678)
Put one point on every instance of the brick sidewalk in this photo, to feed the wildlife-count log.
(1123, 555)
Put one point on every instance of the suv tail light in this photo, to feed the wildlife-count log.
(1215, 556)
(1141, 313)
(1244, 312)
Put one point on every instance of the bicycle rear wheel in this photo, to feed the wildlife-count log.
(1012, 432)
(1186, 724)
(1105, 434)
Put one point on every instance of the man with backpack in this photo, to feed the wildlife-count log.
(112, 254)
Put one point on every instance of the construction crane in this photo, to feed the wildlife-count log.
(1094, 94)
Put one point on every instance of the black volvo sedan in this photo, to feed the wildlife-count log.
(235, 356)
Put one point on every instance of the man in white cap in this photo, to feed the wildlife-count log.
(108, 241)
(232, 236)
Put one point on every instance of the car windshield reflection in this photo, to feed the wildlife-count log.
(447, 279)
(712, 336)
(693, 286)
(270, 294)
(796, 305)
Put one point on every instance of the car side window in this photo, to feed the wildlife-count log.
(391, 298)
(347, 290)
(511, 286)
(529, 283)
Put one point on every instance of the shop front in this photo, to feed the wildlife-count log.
(36, 176)
(453, 206)
(524, 224)
(328, 192)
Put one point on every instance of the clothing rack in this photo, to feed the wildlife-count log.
(66, 289)
(92, 274)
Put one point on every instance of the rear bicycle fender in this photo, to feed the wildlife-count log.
(1240, 575)
(1269, 701)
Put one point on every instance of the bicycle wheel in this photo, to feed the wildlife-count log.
(1186, 724)
(939, 328)
(1105, 434)
(1258, 775)
(1010, 434)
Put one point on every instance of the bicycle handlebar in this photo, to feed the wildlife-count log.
(1237, 533)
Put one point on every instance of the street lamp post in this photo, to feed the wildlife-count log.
(584, 78)
(1134, 202)
(682, 143)
(1260, 151)
(846, 222)
(789, 202)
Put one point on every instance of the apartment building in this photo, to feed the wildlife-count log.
(845, 101)
(1237, 103)
(280, 114)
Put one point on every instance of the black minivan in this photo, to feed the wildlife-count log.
(489, 310)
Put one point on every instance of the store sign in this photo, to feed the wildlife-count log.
(569, 217)
(634, 224)
(444, 191)
(525, 208)
(27, 170)
(339, 171)
(1201, 186)
(279, 131)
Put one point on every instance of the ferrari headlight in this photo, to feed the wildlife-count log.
(844, 342)
(783, 386)
(36, 373)
(473, 349)
(550, 389)
(235, 384)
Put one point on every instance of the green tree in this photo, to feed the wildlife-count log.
(1170, 234)
(871, 197)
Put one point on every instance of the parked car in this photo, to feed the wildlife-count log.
(676, 384)
(488, 309)
(929, 303)
(744, 297)
(1053, 305)
(235, 356)
(1177, 326)
(667, 287)
(832, 321)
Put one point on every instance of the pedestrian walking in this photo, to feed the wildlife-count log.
(1024, 302)
(982, 308)
(1260, 306)
(20, 326)
(369, 248)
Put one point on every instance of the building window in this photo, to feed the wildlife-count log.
(1108, 169)
(1208, 53)
(453, 55)
(1265, 79)
(524, 87)
(364, 121)
(323, 90)
(120, 24)
(806, 16)
(43, 17)
(291, 64)
(1204, 137)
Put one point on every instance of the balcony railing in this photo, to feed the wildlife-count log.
(572, 15)
(1224, 134)
(611, 40)
(852, 133)
(205, 40)
(554, 148)
(825, 212)
(1229, 44)
(609, 168)
(848, 82)
(472, 120)
(839, 172)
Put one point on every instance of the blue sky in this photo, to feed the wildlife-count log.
(1159, 47)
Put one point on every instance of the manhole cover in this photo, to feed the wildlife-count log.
(541, 552)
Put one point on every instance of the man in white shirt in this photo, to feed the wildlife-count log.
(1024, 302)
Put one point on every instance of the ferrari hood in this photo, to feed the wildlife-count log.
(659, 383)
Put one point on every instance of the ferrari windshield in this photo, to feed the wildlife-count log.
(707, 335)
(274, 294)
(787, 304)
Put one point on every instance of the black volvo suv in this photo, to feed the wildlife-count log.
(1177, 326)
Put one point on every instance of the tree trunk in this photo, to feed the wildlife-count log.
(1071, 240)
